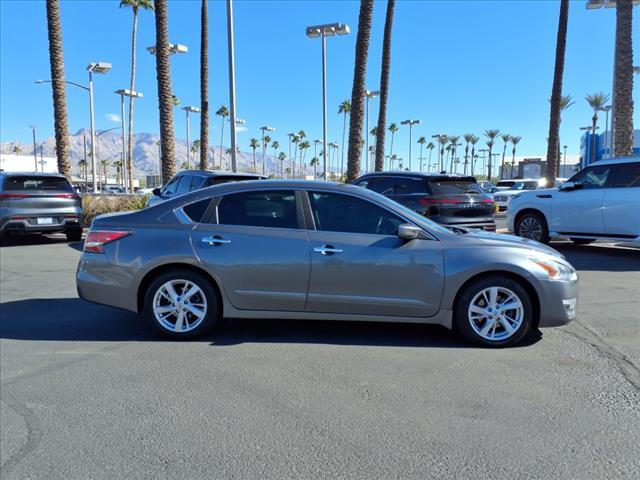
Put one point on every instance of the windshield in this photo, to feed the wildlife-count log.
(36, 182)
(525, 186)
(450, 187)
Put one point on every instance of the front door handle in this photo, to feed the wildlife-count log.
(215, 240)
(327, 250)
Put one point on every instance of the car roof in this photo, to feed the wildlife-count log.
(609, 161)
(219, 173)
(32, 174)
(428, 176)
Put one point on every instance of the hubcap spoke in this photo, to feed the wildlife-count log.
(496, 313)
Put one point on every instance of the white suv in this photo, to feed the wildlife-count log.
(601, 201)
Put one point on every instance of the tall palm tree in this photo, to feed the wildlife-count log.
(204, 85)
(118, 165)
(474, 139)
(514, 141)
(454, 146)
(565, 102)
(17, 150)
(254, 143)
(295, 140)
(314, 163)
(165, 97)
(56, 60)
(222, 112)
(505, 138)
(83, 167)
(135, 5)
(195, 147)
(344, 109)
(553, 145)
(421, 141)
(430, 147)
(623, 93)
(385, 68)
(596, 101)
(105, 165)
(282, 157)
(442, 140)
(265, 144)
(491, 137)
(304, 146)
(392, 158)
(467, 140)
(358, 90)
(393, 128)
(275, 145)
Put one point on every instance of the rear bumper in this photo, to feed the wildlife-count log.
(98, 281)
(481, 223)
(30, 224)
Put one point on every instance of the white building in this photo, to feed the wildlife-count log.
(10, 162)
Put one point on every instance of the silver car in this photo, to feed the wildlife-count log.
(319, 251)
(39, 203)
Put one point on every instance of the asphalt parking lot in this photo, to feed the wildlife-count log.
(87, 392)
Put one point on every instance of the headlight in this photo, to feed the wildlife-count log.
(556, 270)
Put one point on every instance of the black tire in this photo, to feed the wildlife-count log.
(462, 324)
(213, 310)
(74, 235)
(582, 241)
(532, 225)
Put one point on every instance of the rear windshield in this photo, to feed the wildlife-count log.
(32, 182)
(453, 186)
(525, 186)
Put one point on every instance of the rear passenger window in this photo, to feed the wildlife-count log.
(195, 211)
(626, 175)
(383, 185)
(405, 186)
(275, 209)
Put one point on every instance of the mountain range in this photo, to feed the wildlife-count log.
(145, 152)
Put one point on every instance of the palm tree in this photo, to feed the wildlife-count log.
(623, 93)
(295, 140)
(165, 98)
(175, 101)
(393, 128)
(195, 147)
(467, 140)
(442, 140)
(118, 165)
(344, 109)
(491, 137)
(254, 143)
(56, 60)
(135, 5)
(514, 141)
(505, 138)
(454, 146)
(105, 165)
(421, 141)
(384, 87)
(282, 157)
(275, 145)
(222, 112)
(553, 146)
(565, 102)
(17, 150)
(474, 139)
(358, 90)
(204, 85)
(303, 152)
(430, 147)
(83, 167)
(392, 158)
(596, 101)
(265, 144)
(314, 163)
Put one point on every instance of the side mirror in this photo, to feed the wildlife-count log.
(568, 186)
(407, 231)
(157, 192)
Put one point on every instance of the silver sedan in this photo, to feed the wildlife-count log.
(319, 251)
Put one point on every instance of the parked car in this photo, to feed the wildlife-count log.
(602, 201)
(190, 180)
(319, 251)
(39, 203)
(444, 198)
(488, 187)
(502, 196)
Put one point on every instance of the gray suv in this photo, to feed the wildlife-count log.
(39, 203)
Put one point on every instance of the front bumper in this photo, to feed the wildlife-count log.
(558, 302)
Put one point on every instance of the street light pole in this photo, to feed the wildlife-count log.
(323, 31)
(126, 161)
(368, 94)
(35, 154)
(187, 110)
(411, 123)
(99, 67)
(232, 84)
(264, 148)
(564, 160)
(606, 109)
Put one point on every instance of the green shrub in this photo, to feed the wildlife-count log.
(94, 205)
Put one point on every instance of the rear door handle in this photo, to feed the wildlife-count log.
(215, 240)
(327, 250)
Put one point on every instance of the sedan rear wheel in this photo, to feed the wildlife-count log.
(181, 305)
(533, 226)
(494, 311)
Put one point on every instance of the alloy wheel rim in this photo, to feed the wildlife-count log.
(179, 306)
(496, 313)
(530, 228)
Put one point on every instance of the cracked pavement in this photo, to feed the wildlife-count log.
(87, 392)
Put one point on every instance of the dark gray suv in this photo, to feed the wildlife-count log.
(39, 203)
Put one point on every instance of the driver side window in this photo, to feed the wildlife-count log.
(592, 177)
(334, 212)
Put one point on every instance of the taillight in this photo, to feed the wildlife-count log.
(97, 239)
(13, 195)
(67, 195)
(427, 202)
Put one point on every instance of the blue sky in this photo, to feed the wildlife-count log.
(459, 66)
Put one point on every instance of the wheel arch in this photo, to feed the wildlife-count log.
(526, 210)
(522, 281)
(160, 269)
